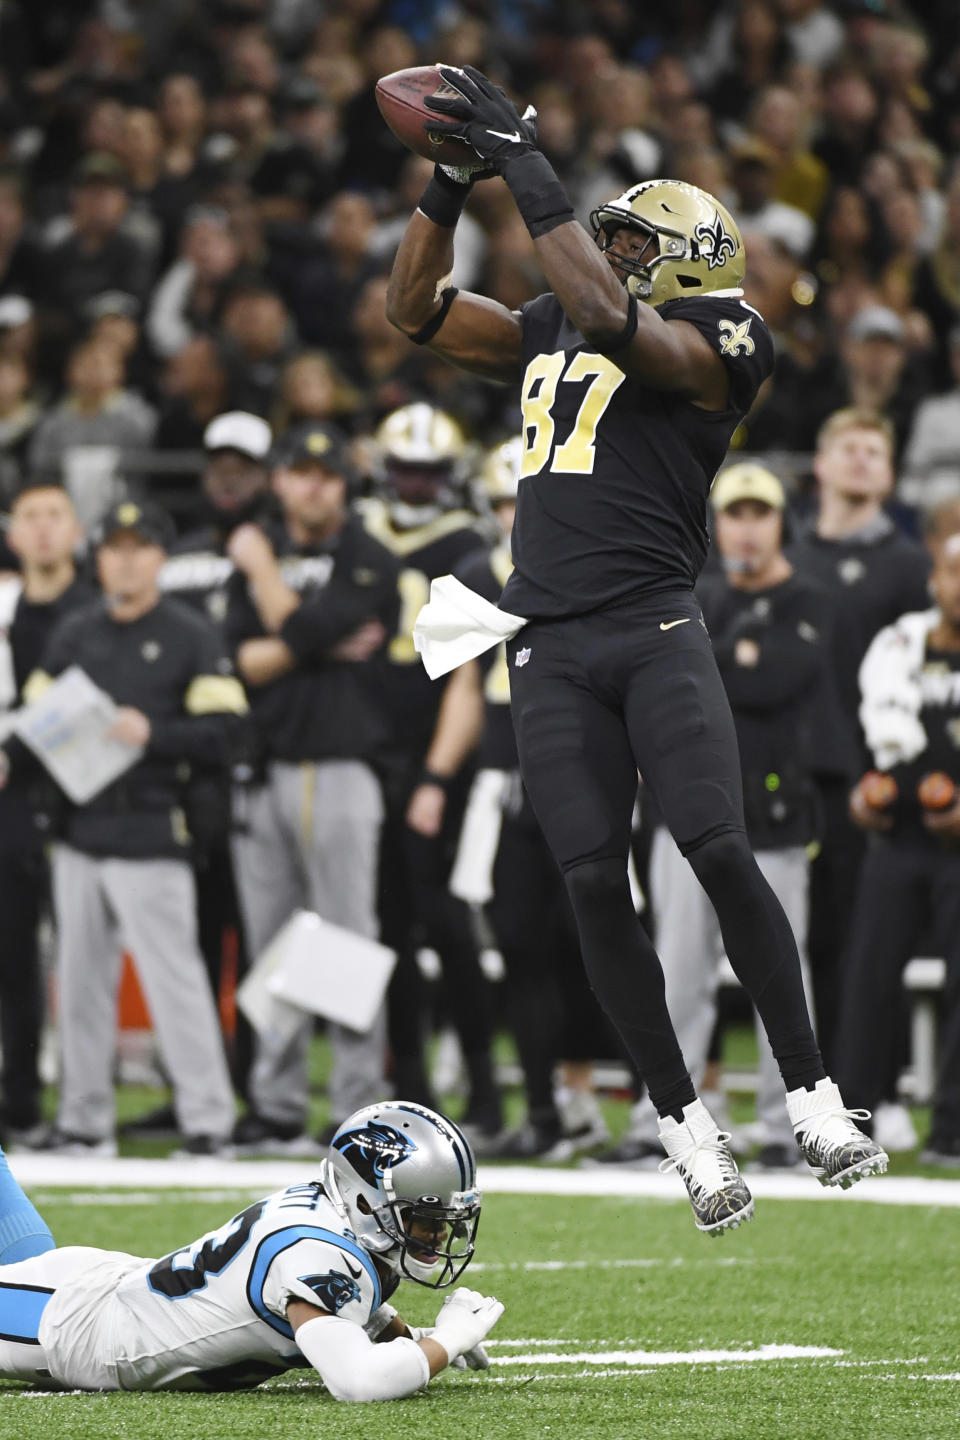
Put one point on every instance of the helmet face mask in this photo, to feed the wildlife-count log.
(406, 1178)
(696, 245)
(422, 463)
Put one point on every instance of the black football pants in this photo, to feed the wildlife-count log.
(901, 888)
(23, 885)
(595, 699)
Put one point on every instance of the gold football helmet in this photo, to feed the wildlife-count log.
(422, 462)
(694, 246)
(500, 474)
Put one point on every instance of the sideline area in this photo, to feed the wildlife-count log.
(63, 1172)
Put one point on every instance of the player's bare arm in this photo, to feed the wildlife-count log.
(477, 334)
(665, 354)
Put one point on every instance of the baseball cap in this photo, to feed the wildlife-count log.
(112, 302)
(147, 520)
(314, 440)
(239, 430)
(100, 167)
(876, 322)
(747, 481)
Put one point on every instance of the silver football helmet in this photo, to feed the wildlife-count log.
(406, 1179)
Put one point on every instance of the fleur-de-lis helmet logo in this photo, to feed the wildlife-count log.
(716, 245)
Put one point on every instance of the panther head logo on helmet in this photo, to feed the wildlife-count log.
(374, 1149)
(694, 246)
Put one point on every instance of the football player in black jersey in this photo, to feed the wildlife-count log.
(635, 372)
(420, 513)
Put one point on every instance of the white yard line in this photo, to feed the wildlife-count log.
(670, 1357)
(260, 1176)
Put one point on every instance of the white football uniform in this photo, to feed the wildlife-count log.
(209, 1316)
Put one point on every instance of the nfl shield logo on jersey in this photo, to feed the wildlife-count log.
(522, 656)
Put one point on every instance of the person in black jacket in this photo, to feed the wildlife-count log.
(770, 631)
(873, 573)
(44, 533)
(312, 604)
(121, 862)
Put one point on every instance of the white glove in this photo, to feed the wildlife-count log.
(475, 1359)
(466, 1318)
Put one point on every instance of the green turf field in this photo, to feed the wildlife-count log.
(610, 1306)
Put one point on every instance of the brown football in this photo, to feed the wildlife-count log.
(936, 791)
(879, 790)
(400, 98)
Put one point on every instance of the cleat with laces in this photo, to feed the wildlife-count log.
(837, 1151)
(699, 1153)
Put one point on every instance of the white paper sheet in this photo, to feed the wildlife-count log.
(320, 968)
(67, 729)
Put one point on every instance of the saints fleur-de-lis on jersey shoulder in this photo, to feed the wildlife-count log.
(736, 337)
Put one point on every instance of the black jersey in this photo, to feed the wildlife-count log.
(615, 475)
(170, 664)
(198, 571)
(487, 574)
(771, 698)
(873, 577)
(325, 708)
(423, 552)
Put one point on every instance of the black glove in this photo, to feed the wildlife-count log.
(490, 122)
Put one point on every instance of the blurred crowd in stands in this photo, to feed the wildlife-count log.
(199, 208)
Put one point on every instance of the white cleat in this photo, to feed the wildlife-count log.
(699, 1153)
(837, 1151)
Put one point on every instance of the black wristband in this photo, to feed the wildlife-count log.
(430, 777)
(629, 327)
(428, 331)
(444, 199)
(541, 199)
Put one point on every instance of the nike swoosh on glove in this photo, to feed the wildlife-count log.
(489, 121)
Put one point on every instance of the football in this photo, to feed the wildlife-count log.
(936, 791)
(878, 789)
(400, 98)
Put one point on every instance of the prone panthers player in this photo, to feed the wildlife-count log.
(635, 372)
(300, 1278)
(420, 514)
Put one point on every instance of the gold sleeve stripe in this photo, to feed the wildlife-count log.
(38, 683)
(213, 694)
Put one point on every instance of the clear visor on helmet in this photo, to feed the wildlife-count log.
(436, 1241)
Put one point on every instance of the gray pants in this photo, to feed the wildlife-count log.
(149, 907)
(690, 948)
(310, 841)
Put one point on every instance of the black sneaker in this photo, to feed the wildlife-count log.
(628, 1153)
(62, 1142)
(528, 1142)
(776, 1156)
(158, 1124)
(942, 1151)
(198, 1147)
(256, 1135)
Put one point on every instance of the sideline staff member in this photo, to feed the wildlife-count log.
(124, 856)
(44, 534)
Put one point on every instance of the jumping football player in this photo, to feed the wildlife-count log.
(635, 372)
(300, 1278)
